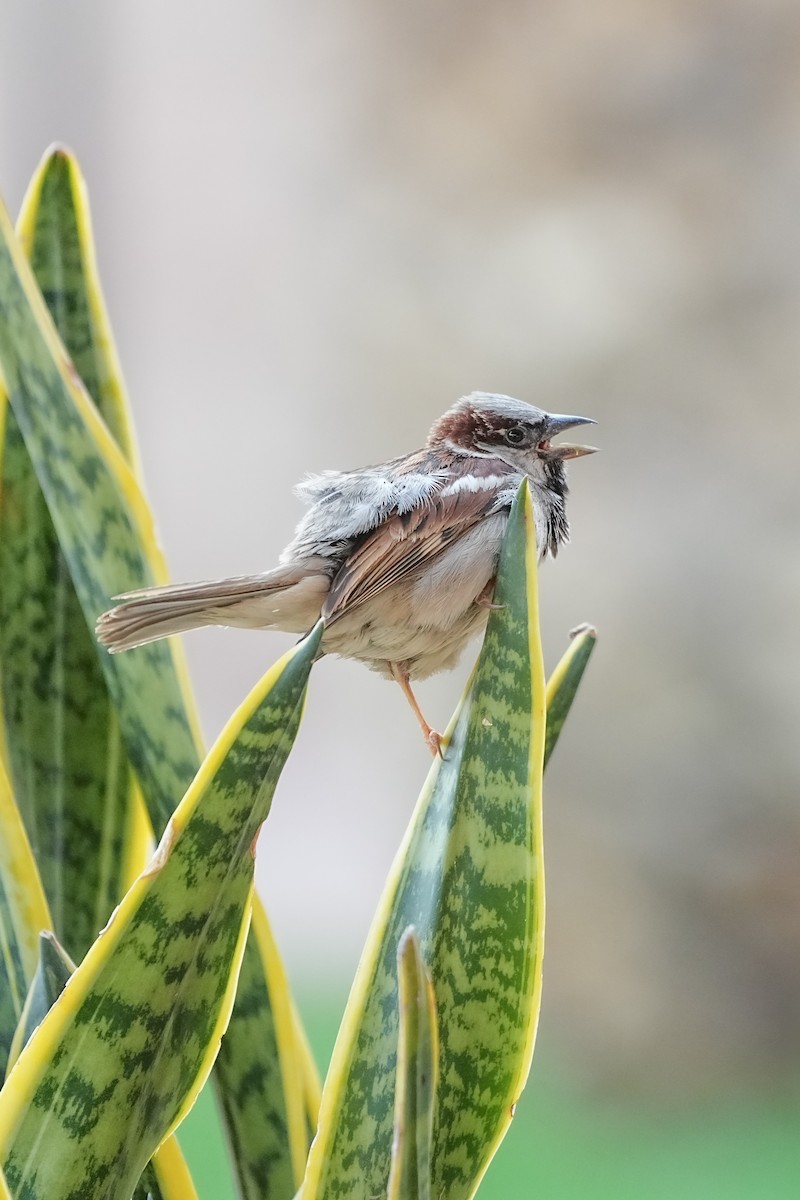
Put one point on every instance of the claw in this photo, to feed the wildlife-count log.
(484, 600)
(434, 741)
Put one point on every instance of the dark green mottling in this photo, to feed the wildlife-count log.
(70, 772)
(13, 984)
(134, 1046)
(148, 1188)
(52, 972)
(71, 775)
(102, 548)
(249, 1084)
(415, 1091)
(101, 545)
(58, 255)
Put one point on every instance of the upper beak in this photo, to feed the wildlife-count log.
(556, 424)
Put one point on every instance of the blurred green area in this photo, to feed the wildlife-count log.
(566, 1146)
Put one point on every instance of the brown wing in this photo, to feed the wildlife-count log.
(403, 545)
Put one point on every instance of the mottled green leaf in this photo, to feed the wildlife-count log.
(123, 1052)
(55, 231)
(417, 1076)
(72, 779)
(49, 980)
(102, 524)
(23, 912)
(166, 1177)
(247, 1076)
(148, 1187)
(105, 530)
(469, 878)
(563, 684)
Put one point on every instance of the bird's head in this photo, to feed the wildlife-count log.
(520, 434)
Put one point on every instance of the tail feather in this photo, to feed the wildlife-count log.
(235, 586)
(288, 598)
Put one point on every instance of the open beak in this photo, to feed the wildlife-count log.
(556, 424)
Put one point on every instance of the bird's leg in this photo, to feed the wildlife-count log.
(484, 600)
(432, 738)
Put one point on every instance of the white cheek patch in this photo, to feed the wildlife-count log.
(462, 451)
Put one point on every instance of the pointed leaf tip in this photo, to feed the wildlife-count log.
(417, 1075)
(583, 628)
(52, 973)
(563, 684)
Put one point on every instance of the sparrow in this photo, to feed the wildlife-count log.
(398, 559)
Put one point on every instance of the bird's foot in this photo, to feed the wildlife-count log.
(433, 740)
(434, 743)
(484, 600)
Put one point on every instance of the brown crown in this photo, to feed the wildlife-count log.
(468, 425)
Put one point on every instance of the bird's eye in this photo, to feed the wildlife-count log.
(515, 436)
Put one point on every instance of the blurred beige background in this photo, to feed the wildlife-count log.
(319, 224)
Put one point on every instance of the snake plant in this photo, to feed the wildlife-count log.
(126, 847)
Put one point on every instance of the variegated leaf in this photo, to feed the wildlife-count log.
(417, 1076)
(563, 684)
(105, 530)
(71, 775)
(166, 1176)
(49, 980)
(23, 913)
(122, 1054)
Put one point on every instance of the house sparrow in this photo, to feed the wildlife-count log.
(398, 559)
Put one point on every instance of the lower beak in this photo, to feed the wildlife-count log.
(565, 450)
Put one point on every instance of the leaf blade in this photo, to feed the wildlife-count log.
(417, 1076)
(166, 1177)
(23, 912)
(146, 1012)
(563, 684)
(55, 231)
(50, 977)
(101, 520)
(106, 531)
